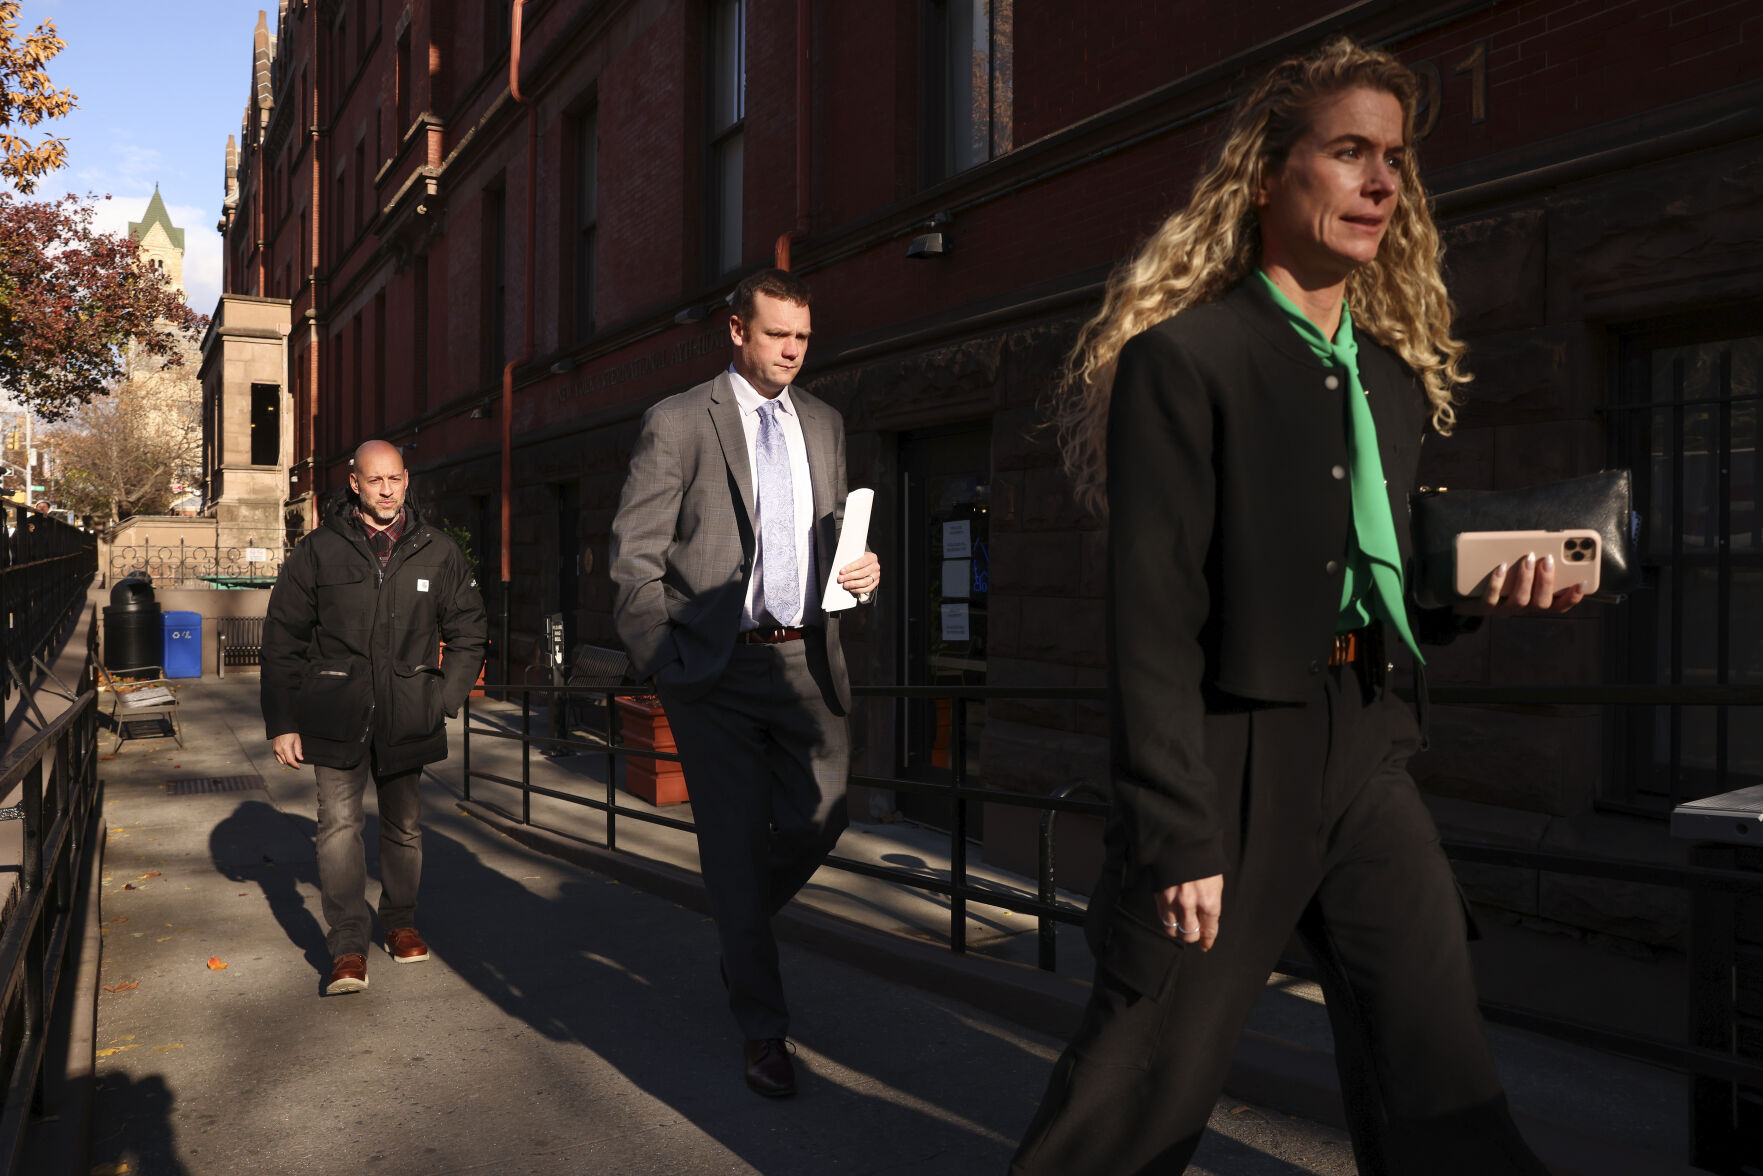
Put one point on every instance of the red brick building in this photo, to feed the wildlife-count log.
(955, 178)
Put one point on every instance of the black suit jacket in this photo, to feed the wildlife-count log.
(1229, 517)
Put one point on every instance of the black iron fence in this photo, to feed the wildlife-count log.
(51, 782)
(959, 790)
(187, 565)
(45, 568)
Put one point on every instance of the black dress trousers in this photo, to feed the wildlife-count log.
(1324, 833)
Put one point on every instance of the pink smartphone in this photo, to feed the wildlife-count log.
(1577, 555)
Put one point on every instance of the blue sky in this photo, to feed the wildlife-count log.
(160, 83)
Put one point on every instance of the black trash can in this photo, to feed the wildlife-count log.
(134, 633)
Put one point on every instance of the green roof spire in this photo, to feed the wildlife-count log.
(156, 214)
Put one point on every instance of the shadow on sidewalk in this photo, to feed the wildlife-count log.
(242, 853)
(632, 978)
(142, 1143)
(914, 1084)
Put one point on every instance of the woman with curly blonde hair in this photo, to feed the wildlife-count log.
(1248, 409)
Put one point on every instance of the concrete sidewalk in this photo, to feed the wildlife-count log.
(1584, 1111)
(568, 1022)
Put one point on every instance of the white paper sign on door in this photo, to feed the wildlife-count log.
(957, 578)
(955, 623)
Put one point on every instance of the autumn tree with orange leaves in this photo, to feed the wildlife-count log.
(27, 98)
(72, 300)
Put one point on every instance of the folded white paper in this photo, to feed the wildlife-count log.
(853, 542)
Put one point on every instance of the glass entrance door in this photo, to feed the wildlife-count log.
(946, 486)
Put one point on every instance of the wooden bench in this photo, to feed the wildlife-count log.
(239, 642)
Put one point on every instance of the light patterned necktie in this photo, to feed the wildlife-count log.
(777, 520)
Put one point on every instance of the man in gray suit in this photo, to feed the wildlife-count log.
(720, 552)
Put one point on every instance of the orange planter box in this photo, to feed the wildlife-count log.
(477, 691)
(642, 723)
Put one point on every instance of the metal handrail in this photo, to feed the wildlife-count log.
(56, 774)
(45, 566)
(1690, 1060)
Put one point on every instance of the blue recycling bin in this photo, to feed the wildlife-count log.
(183, 644)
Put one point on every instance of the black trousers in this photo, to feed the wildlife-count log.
(1327, 836)
(766, 760)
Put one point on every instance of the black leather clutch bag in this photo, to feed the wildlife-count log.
(1600, 501)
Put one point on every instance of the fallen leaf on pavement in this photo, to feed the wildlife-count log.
(151, 874)
(163, 939)
(159, 1049)
(216, 964)
(118, 919)
(129, 886)
(110, 1168)
(125, 986)
(116, 1049)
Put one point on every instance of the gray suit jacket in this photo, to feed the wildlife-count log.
(683, 540)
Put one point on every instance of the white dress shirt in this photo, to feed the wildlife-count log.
(754, 614)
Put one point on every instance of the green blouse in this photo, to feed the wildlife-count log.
(1373, 583)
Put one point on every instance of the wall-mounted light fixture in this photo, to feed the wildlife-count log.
(933, 240)
(480, 413)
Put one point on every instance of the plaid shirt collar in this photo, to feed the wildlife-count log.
(382, 541)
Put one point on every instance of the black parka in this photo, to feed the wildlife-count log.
(351, 656)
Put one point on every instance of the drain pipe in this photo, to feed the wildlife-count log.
(804, 80)
(532, 164)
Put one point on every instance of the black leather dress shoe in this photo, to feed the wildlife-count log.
(769, 1069)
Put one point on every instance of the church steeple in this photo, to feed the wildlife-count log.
(160, 241)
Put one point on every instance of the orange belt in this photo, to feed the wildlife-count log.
(1347, 648)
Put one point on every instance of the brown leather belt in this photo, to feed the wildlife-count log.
(1348, 648)
(768, 636)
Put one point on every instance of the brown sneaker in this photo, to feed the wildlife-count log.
(405, 946)
(348, 974)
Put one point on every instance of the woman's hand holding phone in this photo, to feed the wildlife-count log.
(1525, 587)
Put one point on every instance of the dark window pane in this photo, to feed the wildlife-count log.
(727, 107)
(727, 210)
(728, 89)
(965, 102)
(266, 435)
(1693, 448)
(587, 162)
